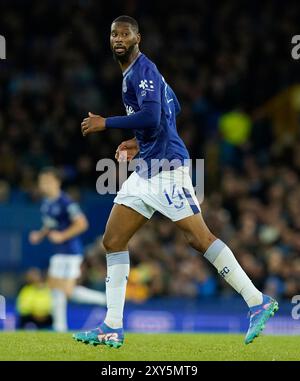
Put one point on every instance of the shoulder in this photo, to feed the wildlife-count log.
(71, 206)
(144, 69)
(145, 75)
(146, 65)
(146, 62)
(65, 199)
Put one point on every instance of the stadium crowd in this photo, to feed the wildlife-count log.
(232, 71)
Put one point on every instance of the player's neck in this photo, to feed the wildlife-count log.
(54, 195)
(132, 57)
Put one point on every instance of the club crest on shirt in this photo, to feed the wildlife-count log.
(56, 210)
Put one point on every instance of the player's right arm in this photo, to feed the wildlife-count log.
(37, 236)
(149, 102)
(127, 150)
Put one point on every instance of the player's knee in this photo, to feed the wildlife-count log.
(68, 290)
(113, 243)
(52, 283)
(107, 241)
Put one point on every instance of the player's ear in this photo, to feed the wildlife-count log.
(138, 37)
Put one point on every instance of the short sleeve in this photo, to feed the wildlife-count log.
(148, 86)
(73, 210)
(48, 222)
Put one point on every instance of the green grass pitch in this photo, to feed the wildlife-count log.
(55, 346)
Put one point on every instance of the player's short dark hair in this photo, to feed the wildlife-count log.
(130, 20)
(51, 171)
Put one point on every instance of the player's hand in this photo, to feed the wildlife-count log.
(35, 237)
(56, 237)
(127, 150)
(94, 123)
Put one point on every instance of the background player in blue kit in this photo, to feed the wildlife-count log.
(152, 107)
(63, 222)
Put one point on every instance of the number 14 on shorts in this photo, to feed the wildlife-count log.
(175, 197)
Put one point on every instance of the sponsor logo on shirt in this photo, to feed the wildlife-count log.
(146, 85)
(129, 110)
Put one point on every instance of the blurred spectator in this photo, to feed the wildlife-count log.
(4, 191)
(137, 289)
(34, 302)
(235, 129)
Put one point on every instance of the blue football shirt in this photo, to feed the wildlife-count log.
(142, 82)
(58, 215)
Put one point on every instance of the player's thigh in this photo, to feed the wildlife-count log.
(63, 272)
(55, 283)
(68, 286)
(122, 223)
(196, 232)
(65, 285)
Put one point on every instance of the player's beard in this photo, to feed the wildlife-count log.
(123, 58)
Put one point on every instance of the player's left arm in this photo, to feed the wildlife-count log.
(79, 224)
